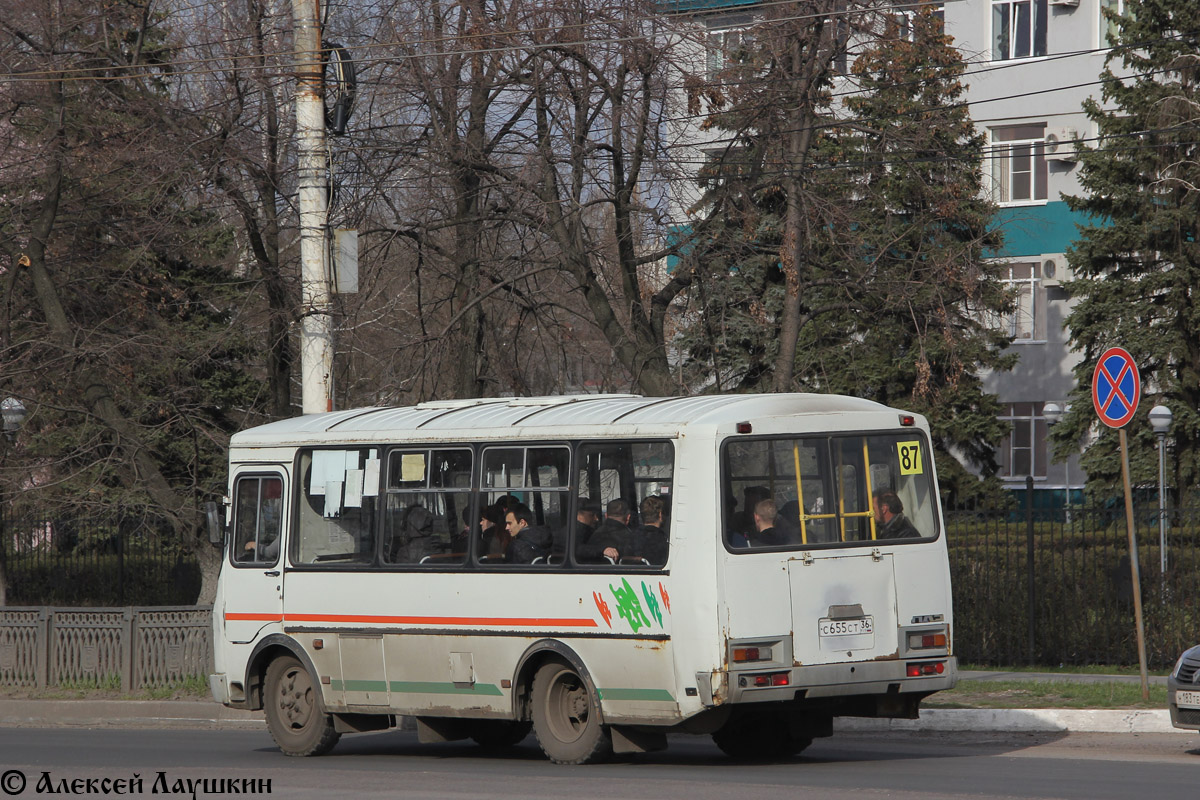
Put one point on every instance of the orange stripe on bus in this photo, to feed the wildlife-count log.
(523, 622)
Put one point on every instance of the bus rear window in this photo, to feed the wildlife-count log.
(828, 490)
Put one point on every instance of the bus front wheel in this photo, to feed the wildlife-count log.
(566, 717)
(296, 714)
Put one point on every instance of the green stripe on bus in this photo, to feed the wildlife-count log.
(360, 686)
(434, 687)
(655, 695)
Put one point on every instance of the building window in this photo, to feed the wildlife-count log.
(1019, 164)
(1026, 323)
(1023, 452)
(1108, 27)
(726, 48)
(903, 18)
(1018, 29)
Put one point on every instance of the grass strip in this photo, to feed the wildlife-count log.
(1046, 694)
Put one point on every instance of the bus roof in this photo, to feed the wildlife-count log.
(499, 416)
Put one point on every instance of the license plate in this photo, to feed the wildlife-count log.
(845, 627)
(1187, 699)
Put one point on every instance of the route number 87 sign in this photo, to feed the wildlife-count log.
(910, 457)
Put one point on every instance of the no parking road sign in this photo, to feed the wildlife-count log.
(1116, 387)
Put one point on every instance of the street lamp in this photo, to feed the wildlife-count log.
(1160, 420)
(1053, 413)
(14, 414)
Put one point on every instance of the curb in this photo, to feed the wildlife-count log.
(190, 714)
(1032, 720)
(123, 713)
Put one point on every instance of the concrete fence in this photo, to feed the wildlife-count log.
(131, 649)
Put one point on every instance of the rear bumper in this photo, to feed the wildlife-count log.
(840, 680)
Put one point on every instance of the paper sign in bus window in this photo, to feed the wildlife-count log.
(353, 489)
(910, 458)
(412, 467)
(371, 477)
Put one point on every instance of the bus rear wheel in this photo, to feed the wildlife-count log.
(759, 737)
(566, 717)
(296, 714)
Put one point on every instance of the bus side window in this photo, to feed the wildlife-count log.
(335, 519)
(427, 491)
(623, 505)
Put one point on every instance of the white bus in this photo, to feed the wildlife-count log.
(764, 564)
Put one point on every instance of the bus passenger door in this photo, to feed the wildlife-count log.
(253, 591)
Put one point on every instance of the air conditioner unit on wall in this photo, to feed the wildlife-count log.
(1071, 3)
(1054, 269)
(1060, 144)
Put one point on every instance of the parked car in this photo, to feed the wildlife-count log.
(1183, 690)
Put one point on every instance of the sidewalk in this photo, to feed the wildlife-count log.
(200, 713)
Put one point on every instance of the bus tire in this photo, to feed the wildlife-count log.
(499, 732)
(295, 711)
(759, 737)
(566, 717)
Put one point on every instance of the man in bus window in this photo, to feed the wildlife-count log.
(766, 533)
(651, 538)
(890, 522)
(527, 541)
(611, 539)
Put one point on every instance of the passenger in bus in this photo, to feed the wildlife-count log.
(651, 537)
(890, 522)
(609, 540)
(493, 535)
(527, 541)
(766, 533)
(587, 516)
(743, 521)
(412, 540)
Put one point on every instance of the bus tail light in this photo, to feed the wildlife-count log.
(908, 420)
(921, 669)
(743, 654)
(766, 679)
(926, 641)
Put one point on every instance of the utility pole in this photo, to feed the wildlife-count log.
(316, 340)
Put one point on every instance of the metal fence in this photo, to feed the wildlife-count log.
(1030, 587)
(1055, 587)
(95, 561)
(130, 649)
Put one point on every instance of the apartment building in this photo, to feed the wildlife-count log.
(1031, 65)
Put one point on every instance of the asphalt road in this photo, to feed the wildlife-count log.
(394, 764)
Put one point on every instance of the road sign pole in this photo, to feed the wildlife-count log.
(1133, 566)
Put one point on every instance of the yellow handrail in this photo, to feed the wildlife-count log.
(799, 491)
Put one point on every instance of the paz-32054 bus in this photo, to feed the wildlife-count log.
(601, 569)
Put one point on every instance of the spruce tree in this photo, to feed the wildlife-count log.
(898, 296)
(1136, 263)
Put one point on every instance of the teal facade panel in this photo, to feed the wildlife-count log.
(1033, 230)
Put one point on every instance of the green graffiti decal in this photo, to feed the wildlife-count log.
(652, 604)
(629, 607)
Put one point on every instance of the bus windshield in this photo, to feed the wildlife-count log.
(827, 490)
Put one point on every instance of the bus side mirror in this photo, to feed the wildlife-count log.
(212, 515)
